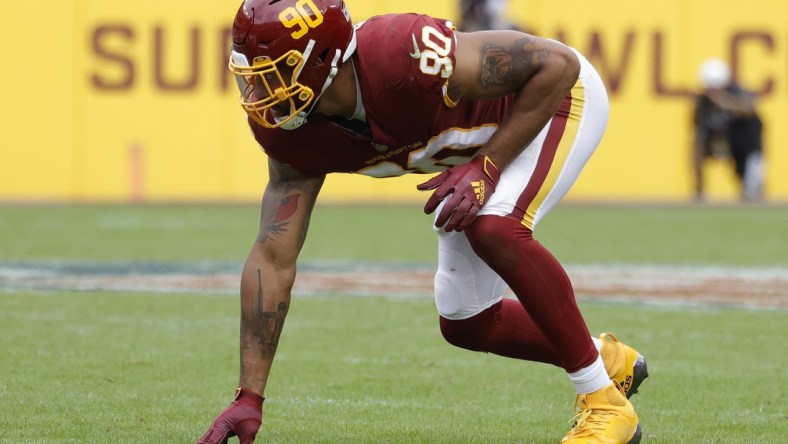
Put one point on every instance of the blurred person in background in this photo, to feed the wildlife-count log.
(727, 126)
(507, 119)
(478, 15)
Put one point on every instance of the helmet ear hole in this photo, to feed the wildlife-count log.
(321, 58)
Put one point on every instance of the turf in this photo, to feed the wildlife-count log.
(730, 235)
(148, 368)
(115, 367)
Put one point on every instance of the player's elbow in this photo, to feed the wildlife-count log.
(565, 67)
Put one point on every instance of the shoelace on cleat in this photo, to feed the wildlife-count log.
(587, 422)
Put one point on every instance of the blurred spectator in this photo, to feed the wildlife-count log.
(477, 15)
(727, 126)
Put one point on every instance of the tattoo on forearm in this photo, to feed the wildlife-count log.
(499, 66)
(286, 208)
(259, 291)
(266, 326)
(282, 212)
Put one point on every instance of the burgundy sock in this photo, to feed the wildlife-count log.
(540, 284)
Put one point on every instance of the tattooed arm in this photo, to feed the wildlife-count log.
(270, 269)
(540, 72)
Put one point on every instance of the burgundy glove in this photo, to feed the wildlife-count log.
(242, 418)
(470, 185)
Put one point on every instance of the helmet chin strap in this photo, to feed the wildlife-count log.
(297, 120)
(359, 113)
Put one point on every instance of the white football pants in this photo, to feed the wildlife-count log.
(528, 189)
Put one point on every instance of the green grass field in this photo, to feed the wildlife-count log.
(148, 367)
(745, 236)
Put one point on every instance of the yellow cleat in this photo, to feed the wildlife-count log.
(604, 417)
(623, 364)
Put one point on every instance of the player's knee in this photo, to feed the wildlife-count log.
(450, 294)
(455, 286)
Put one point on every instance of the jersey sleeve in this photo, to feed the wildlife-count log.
(434, 43)
(407, 56)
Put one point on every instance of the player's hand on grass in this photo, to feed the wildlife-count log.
(469, 186)
(242, 418)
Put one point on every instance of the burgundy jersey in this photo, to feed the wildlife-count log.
(402, 64)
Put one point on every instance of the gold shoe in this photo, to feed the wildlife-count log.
(604, 417)
(623, 364)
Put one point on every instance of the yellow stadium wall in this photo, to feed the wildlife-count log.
(131, 101)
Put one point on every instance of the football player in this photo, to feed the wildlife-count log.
(507, 119)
